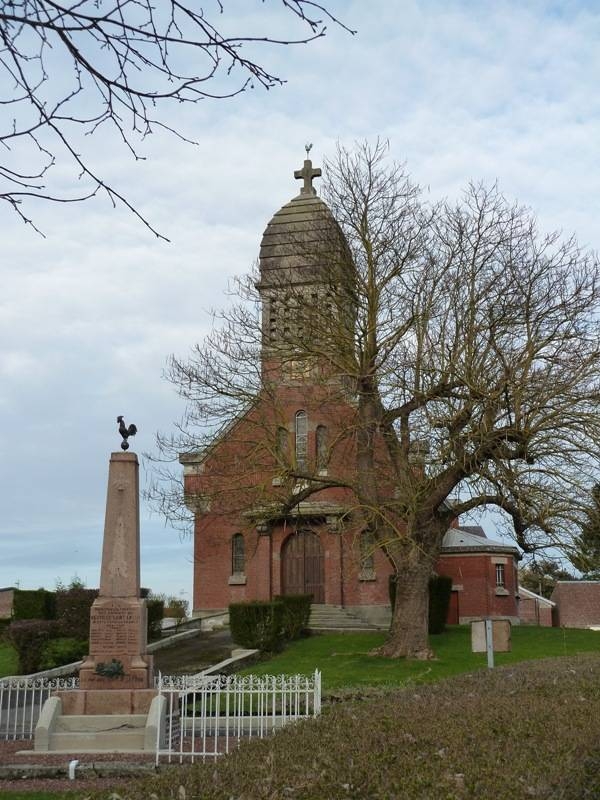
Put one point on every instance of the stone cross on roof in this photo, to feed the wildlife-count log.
(307, 173)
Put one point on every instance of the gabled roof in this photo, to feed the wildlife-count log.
(460, 540)
(528, 594)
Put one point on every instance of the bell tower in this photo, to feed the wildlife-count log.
(301, 253)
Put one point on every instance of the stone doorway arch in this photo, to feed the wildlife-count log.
(303, 565)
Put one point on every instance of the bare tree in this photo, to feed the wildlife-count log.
(467, 346)
(77, 68)
(586, 556)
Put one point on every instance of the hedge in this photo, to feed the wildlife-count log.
(156, 610)
(34, 604)
(296, 611)
(440, 588)
(257, 625)
(29, 638)
(73, 607)
(61, 651)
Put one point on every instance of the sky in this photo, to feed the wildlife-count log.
(462, 90)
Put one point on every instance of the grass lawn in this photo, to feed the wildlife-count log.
(344, 659)
(8, 660)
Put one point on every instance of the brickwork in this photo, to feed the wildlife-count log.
(238, 485)
(475, 589)
(532, 612)
(578, 603)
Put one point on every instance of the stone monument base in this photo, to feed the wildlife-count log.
(90, 721)
(117, 701)
(117, 658)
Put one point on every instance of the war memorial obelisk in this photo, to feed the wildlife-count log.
(117, 656)
(116, 707)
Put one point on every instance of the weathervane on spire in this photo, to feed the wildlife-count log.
(307, 173)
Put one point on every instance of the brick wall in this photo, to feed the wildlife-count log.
(534, 612)
(578, 603)
(475, 593)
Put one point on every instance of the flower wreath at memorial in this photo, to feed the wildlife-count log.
(110, 669)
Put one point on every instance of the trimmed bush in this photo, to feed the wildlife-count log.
(34, 604)
(257, 625)
(29, 638)
(156, 610)
(296, 611)
(440, 589)
(64, 650)
(73, 607)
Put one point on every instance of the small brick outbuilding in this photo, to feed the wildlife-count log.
(534, 609)
(484, 575)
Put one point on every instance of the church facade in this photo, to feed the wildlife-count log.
(262, 525)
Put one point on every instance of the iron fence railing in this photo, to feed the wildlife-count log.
(21, 700)
(208, 715)
(202, 715)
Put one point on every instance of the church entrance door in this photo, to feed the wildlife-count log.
(302, 567)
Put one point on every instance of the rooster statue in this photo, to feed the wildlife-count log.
(126, 432)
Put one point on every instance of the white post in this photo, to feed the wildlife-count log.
(489, 642)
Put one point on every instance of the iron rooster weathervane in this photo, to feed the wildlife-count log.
(126, 432)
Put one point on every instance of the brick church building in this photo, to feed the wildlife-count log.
(257, 532)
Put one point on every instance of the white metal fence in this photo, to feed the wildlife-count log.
(21, 700)
(206, 716)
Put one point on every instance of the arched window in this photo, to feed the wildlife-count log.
(301, 441)
(322, 450)
(238, 554)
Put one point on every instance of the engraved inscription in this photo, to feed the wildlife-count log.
(115, 631)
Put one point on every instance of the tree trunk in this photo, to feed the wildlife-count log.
(408, 636)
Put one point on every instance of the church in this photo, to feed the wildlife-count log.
(262, 525)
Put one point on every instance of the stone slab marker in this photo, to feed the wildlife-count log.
(118, 615)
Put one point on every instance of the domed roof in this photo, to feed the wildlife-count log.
(299, 238)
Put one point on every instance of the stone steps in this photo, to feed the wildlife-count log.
(106, 741)
(69, 723)
(335, 618)
(98, 732)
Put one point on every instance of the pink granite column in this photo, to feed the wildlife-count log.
(118, 615)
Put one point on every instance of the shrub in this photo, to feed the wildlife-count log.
(156, 610)
(440, 589)
(296, 611)
(34, 604)
(29, 638)
(64, 650)
(176, 608)
(4, 623)
(257, 625)
(73, 607)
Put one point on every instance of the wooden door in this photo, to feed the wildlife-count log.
(302, 566)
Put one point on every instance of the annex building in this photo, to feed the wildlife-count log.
(251, 542)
